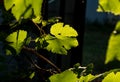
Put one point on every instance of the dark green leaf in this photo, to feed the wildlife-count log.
(89, 69)
(77, 70)
(28, 41)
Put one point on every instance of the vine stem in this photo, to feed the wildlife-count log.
(39, 28)
(29, 59)
(41, 57)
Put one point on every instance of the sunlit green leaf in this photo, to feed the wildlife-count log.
(69, 76)
(66, 76)
(8, 4)
(60, 45)
(113, 50)
(109, 78)
(59, 29)
(112, 6)
(36, 5)
(112, 70)
(55, 45)
(62, 39)
(24, 8)
(112, 77)
(86, 78)
(16, 40)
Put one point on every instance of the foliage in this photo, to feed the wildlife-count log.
(75, 74)
(70, 76)
(58, 39)
(61, 39)
(16, 40)
(113, 50)
(56, 42)
(112, 77)
(111, 6)
(113, 46)
(24, 8)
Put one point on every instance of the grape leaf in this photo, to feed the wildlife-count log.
(66, 76)
(112, 6)
(60, 46)
(113, 50)
(54, 45)
(62, 39)
(16, 40)
(24, 8)
(112, 77)
(8, 4)
(59, 30)
(37, 5)
(86, 78)
(69, 76)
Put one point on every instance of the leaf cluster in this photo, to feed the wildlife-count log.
(58, 39)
